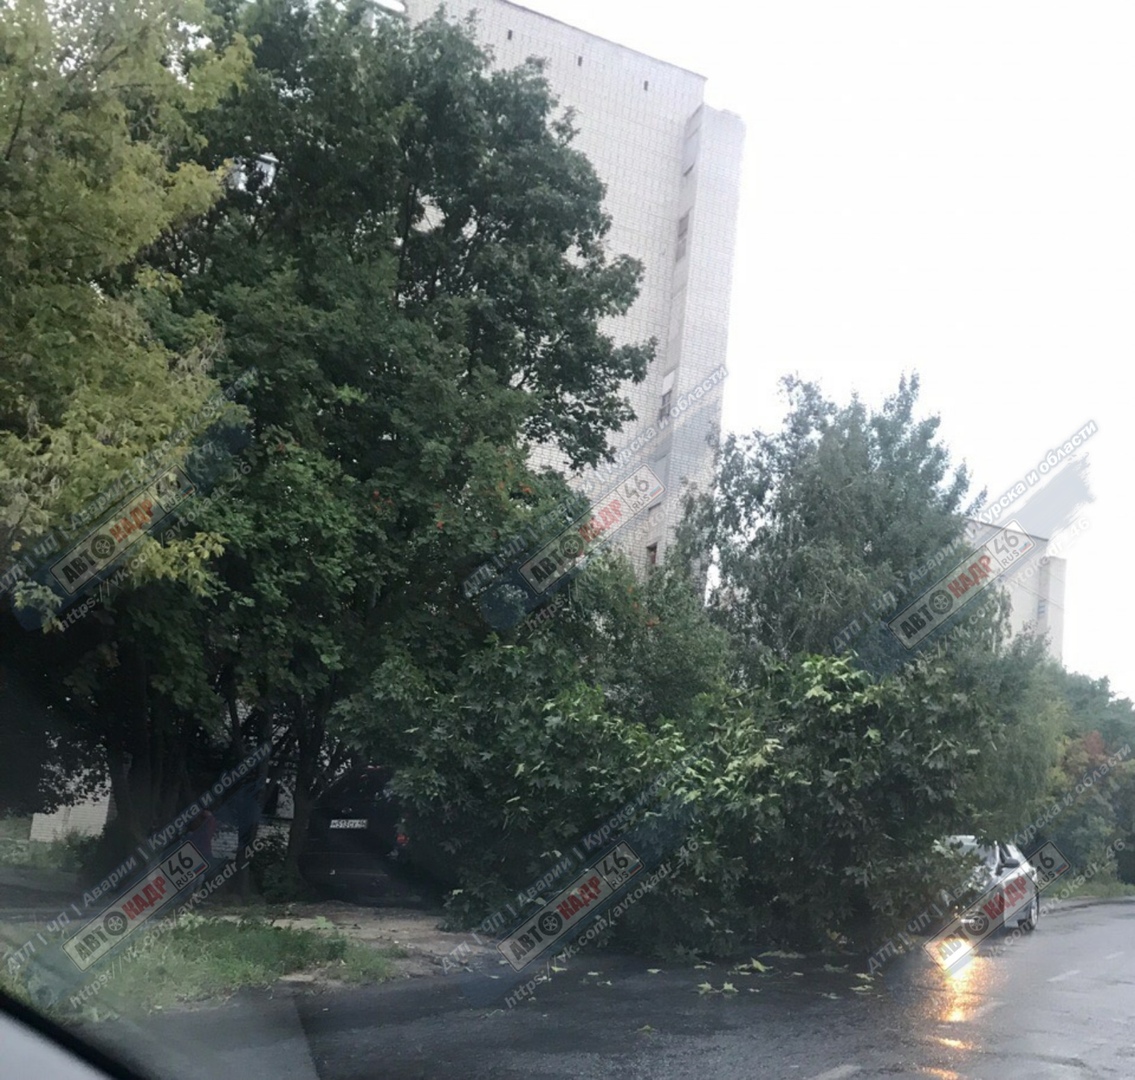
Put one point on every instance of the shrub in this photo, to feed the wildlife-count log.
(270, 877)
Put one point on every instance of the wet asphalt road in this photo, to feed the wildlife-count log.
(1058, 1003)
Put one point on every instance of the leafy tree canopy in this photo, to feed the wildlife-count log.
(812, 523)
(96, 99)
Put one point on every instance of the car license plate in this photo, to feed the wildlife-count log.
(619, 865)
(1049, 863)
(349, 823)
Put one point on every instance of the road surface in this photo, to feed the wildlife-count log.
(1058, 1003)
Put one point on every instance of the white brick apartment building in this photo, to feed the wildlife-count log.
(1036, 590)
(671, 166)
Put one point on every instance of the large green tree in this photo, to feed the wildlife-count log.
(532, 739)
(96, 100)
(809, 525)
(1097, 728)
(814, 522)
(412, 256)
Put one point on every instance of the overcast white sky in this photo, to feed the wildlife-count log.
(941, 188)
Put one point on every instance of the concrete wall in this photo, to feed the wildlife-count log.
(85, 818)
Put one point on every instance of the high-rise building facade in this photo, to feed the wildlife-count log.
(1036, 587)
(671, 166)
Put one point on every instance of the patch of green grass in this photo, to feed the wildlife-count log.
(12, 983)
(68, 854)
(206, 959)
(15, 828)
(366, 964)
(211, 957)
(1102, 888)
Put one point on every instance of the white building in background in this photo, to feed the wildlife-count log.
(1038, 600)
(1036, 589)
(1036, 595)
(87, 818)
(671, 166)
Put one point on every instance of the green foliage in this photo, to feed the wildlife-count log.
(420, 289)
(516, 764)
(510, 752)
(1008, 779)
(97, 108)
(832, 830)
(94, 103)
(38, 748)
(1092, 706)
(271, 877)
(76, 852)
(1099, 812)
(1093, 726)
(808, 525)
(420, 286)
(1102, 886)
(811, 524)
(15, 828)
(71, 853)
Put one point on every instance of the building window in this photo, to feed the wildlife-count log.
(579, 61)
(646, 84)
(652, 554)
(664, 408)
(1041, 608)
(683, 233)
(510, 35)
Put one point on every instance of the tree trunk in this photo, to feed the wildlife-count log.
(297, 834)
(308, 744)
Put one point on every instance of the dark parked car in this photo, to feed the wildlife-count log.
(355, 850)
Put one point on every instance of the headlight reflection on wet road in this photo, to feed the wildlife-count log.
(966, 987)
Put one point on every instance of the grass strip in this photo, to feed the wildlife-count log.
(206, 959)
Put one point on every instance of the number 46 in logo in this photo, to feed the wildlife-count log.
(619, 865)
(613, 863)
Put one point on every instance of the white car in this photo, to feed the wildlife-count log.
(1005, 886)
